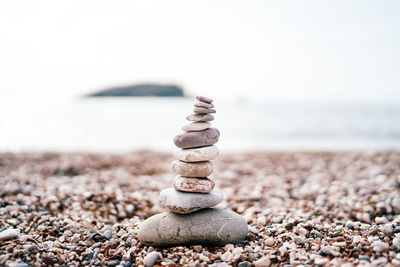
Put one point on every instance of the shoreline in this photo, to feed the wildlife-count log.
(301, 207)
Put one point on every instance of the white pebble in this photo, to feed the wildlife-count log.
(204, 258)
(227, 256)
(17, 264)
(282, 250)
(386, 228)
(263, 262)
(381, 220)
(380, 246)
(75, 238)
(262, 220)
(396, 242)
(151, 258)
(357, 239)
(228, 247)
(269, 241)
(9, 234)
(320, 261)
(339, 244)
(130, 208)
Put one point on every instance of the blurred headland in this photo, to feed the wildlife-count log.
(145, 89)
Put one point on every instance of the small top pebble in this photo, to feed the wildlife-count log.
(204, 99)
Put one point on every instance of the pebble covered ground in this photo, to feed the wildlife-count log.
(308, 208)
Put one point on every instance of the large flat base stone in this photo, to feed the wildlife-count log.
(208, 226)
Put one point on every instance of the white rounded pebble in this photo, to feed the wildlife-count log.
(9, 234)
(396, 242)
(196, 126)
(357, 239)
(229, 247)
(205, 153)
(381, 220)
(269, 241)
(380, 246)
(151, 258)
(227, 256)
(204, 258)
(320, 261)
(386, 228)
(263, 262)
(130, 208)
(282, 250)
(17, 264)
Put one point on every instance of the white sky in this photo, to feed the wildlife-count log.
(296, 50)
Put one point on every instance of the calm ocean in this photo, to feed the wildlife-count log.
(126, 124)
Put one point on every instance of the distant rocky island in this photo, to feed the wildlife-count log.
(141, 90)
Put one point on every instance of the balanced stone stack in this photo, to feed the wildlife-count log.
(190, 219)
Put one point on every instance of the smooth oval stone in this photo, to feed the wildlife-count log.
(196, 154)
(201, 104)
(203, 110)
(184, 203)
(197, 139)
(196, 126)
(216, 227)
(196, 185)
(193, 169)
(200, 117)
(204, 99)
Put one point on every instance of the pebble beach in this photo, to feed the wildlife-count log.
(302, 208)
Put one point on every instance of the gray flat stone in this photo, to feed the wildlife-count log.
(197, 139)
(185, 202)
(201, 104)
(203, 110)
(208, 226)
(200, 117)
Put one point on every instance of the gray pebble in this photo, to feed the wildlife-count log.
(108, 234)
(197, 139)
(185, 202)
(207, 226)
(203, 110)
(301, 241)
(350, 226)
(112, 263)
(364, 257)
(318, 234)
(200, 117)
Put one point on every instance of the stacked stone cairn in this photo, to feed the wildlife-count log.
(190, 219)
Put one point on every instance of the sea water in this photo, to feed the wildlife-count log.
(126, 124)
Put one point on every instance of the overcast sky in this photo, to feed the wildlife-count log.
(296, 50)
